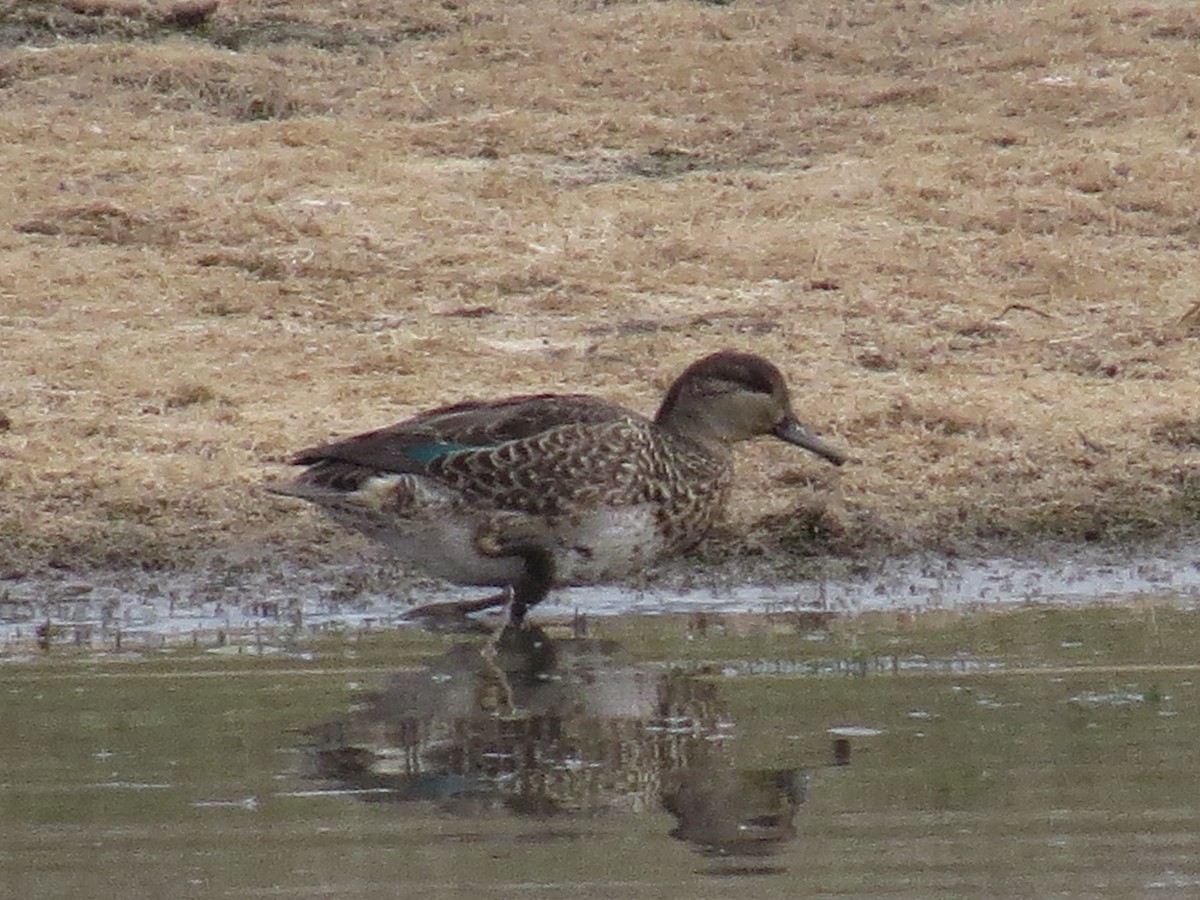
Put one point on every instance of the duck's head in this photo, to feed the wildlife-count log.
(729, 396)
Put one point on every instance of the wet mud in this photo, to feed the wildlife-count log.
(262, 610)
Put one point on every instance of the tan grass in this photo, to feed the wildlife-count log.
(967, 231)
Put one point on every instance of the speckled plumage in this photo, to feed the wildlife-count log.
(476, 492)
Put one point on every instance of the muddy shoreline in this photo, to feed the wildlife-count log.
(289, 604)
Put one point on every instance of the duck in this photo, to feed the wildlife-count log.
(531, 492)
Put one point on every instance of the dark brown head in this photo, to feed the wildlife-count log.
(729, 397)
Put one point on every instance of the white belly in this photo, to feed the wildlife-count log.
(445, 550)
(597, 546)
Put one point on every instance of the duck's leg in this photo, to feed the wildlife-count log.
(537, 577)
(530, 588)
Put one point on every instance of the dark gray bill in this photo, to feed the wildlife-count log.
(793, 432)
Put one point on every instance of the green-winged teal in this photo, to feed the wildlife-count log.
(531, 491)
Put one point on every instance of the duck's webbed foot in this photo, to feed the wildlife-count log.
(455, 616)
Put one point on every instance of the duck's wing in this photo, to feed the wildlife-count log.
(410, 446)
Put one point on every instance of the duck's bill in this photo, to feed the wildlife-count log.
(794, 433)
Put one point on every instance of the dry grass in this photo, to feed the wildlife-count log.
(968, 232)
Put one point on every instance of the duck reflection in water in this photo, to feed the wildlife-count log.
(546, 728)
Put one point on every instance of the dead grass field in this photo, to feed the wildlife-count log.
(968, 231)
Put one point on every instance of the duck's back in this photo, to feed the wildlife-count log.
(413, 445)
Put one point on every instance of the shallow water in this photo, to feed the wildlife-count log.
(1038, 753)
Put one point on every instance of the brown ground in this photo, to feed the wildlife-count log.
(967, 231)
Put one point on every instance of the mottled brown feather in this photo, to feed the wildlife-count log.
(580, 483)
